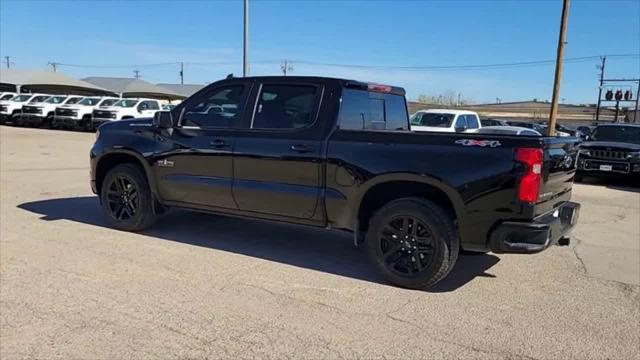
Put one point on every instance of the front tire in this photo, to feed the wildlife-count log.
(413, 243)
(126, 198)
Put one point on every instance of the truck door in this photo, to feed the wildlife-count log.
(193, 161)
(277, 167)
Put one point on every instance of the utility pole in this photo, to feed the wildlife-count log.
(635, 115)
(458, 99)
(286, 67)
(54, 65)
(558, 76)
(245, 41)
(603, 60)
(7, 59)
(181, 73)
(137, 73)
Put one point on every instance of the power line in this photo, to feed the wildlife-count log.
(379, 67)
(467, 67)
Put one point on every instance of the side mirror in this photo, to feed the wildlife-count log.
(163, 120)
(461, 129)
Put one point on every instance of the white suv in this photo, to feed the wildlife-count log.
(445, 120)
(40, 112)
(126, 109)
(78, 115)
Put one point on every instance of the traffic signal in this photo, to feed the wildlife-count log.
(628, 95)
(609, 95)
(618, 95)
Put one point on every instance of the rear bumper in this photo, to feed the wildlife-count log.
(533, 237)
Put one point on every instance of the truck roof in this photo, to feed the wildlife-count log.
(363, 85)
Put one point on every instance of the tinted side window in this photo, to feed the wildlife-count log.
(461, 122)
(396, 112)
(220, 107)
(285, 107)
(472, 122)
(363, 110)
(354, 107)
(151, 105)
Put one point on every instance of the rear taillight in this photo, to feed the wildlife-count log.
(529, 185)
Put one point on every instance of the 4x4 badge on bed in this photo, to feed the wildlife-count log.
(480, 143)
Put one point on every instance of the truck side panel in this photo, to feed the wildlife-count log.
(480, 181)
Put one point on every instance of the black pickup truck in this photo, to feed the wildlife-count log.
(339, 154)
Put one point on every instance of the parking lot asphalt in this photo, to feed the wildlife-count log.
(199, 285)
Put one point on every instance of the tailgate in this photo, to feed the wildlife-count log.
(558, 170)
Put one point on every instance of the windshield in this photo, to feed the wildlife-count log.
(627, 134)
(432, 119)
(73, 100)
(108, 102)
(6, 97)
(21, 98)
(126, 103)
(56, 100)
(39, 98)
(89, 101)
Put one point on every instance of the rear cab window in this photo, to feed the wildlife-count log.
(366, 110)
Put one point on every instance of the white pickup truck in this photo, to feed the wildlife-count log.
(79, 115)
(126, 109)
(445, 120)
(7, 96)
(40, 112)
(10, 109)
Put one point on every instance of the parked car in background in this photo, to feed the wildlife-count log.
(125, 109)
(561, 130)
(584, 132)
(32, 108)
(542, 129)
(7, 96)
(493, 122)
(445, 120)
(507, 130)
(78, 116)
(42, 113)
(11, 109)
(338, 154)
(611, 151)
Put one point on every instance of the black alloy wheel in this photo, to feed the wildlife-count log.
(126, 198)
(407, 245)
(122, 197)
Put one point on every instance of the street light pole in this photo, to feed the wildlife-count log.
(556, 81)
(245, 40)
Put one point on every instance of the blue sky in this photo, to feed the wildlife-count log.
(389, 33)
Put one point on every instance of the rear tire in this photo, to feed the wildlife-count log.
(412, 242)
(126, 198)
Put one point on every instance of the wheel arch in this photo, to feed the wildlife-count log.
(387, 188)
(122, 156)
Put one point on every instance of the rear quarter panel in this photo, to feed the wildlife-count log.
(479, 180)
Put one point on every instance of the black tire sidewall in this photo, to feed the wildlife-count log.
(443, 232)
(144, 216)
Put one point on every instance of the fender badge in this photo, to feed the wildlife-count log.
(164, 163)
